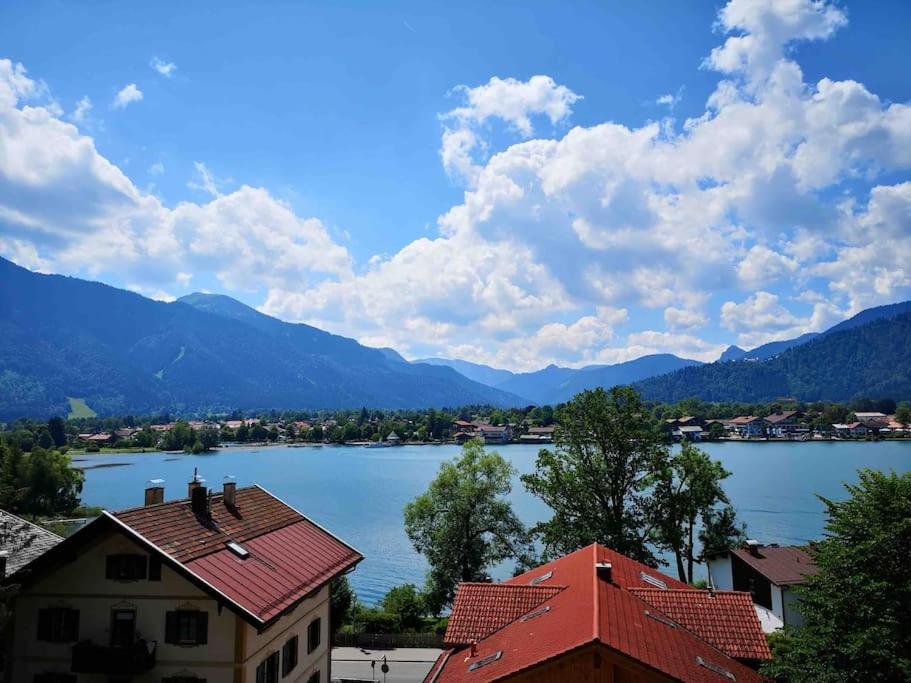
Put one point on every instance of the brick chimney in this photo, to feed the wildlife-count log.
(230, 491)
(195, 482)
(154, 492)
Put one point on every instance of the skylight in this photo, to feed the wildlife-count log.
(711, 666)
(536, 613)
(538, 579)
(484, 661)
(651, 580)
(661, 618)
(237, 549)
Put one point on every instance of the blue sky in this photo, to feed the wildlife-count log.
(509, 183)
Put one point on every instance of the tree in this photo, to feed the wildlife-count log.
(686, 490)
(407, 604)
(720, 531)
(342, 602)
(856, 608)
(903, 414)
(57, 429)
(596, 477)
(463, 523)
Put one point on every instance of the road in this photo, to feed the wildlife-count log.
(406, 665)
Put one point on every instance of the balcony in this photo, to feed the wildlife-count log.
(89, 658)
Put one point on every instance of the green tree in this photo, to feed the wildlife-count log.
(685, 490)
(903, 413)
(53, 485)
(856, 625)
(57, 429)
(463, 523)
(720, 531)
(596, 478)
(407, 604)
(342, 602)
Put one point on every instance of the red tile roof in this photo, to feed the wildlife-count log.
(481, 609)
(590, 610)
(288, 556)
(782, 565)
(726, 619)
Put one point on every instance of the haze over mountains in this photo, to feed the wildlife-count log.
(63, 338)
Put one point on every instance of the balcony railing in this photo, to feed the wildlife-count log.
(89, 658)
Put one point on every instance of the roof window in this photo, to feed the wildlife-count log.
(711, 666)
(536, 613)
(653, 581)
(660, 618)
(238, 549)
(538, 579)
(484, 661)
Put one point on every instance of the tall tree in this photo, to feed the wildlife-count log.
(856, 624)
(57, 429)
(596, 478)
(686, 492)
(463, 523)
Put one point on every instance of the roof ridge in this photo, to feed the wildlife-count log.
(165, 503)
(596, 596)
(501, 584)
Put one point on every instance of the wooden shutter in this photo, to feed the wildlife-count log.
(154, 568)
(170, 627)
(44, 624)
(202, 628)
(71, 625)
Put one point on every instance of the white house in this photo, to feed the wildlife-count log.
(769, 573)
(224, 588)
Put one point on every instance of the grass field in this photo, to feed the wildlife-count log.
(79, 408)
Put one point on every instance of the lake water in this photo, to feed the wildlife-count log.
(359, 493)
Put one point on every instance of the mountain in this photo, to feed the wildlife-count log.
(772, 349)
(61, 337)
(492, 377)
(861, 360)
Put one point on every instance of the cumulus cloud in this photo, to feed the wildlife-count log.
(127, 95)
(164, 68)
(83, 107)
(726, 217)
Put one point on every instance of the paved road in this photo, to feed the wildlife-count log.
(406, 665)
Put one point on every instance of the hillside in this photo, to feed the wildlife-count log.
(492, 377)
(121, 353)
(871, 360)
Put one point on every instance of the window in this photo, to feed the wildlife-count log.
(123, 627)
(289, 656)
(313, 635)
(126, 567)
(484, 661)
(58, 624)
(267, 671)
(314, 677)
(186, 627)
(54, 677)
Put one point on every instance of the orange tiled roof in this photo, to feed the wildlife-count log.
(726, 619)
(483, 608)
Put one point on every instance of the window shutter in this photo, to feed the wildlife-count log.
(44, 624)
(154, 568)
(73, 624)
(202, 628)
(110, 567)
(170, 627)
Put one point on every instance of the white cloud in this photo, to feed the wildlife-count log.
(156, 169)
(83, 107)
(127, 95)
(164, 68)
(555, 235)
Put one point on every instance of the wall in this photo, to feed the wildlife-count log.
(777, 605)
(720, 572)
(258, 646)
(791, 616)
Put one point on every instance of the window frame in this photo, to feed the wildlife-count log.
(176, 619)
(113, 572)
(52, 626)
(123, 610)
(263, 669)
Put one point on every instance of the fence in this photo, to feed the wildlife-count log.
(385, 641)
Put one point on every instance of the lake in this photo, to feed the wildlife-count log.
(358, 493)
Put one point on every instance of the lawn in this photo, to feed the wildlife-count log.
(79, 408)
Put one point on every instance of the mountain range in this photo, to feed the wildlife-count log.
(63, 338)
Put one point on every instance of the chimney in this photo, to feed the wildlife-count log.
(604, 570)
(3, 556)
(199, 500)
(154, 492)
(473, 651)
(195, 482)
(230, 491)
(753, 546)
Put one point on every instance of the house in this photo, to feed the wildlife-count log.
(747, 426)
(596, 615)
(493, 433)
(538, 435)
(100, 438)
(786, 423)
(872, 421)
(851, 429)
(769, 573)
(462, 426)
(21, 542)
(393, 439)
(220, 587)
(690, 433)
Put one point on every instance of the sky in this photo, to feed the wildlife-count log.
(516, 184)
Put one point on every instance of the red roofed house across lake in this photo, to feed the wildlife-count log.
(596, 615)
(222, 587)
